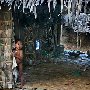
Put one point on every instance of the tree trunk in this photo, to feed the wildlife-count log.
(5, 37)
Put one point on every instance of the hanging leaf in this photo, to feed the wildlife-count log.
(42, 1)
(54, 3)
(49, 4)
(37, 2)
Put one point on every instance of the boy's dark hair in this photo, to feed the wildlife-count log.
(16, 40)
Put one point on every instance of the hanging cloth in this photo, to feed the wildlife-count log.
(14, 64)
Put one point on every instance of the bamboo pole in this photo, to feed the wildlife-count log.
(78, 11)
(61, 23)
(85, 7)
(61, 34)
(77, 40)
(69, 13)
(80, 42)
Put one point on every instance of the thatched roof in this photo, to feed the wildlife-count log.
(31, 4)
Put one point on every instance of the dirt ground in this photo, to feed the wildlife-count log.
(62, 76)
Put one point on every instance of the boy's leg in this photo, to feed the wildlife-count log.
(21, 73)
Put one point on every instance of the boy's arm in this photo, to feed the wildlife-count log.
(20, 55)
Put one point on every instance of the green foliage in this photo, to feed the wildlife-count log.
(44, 53)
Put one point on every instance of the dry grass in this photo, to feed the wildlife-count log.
(58, 77)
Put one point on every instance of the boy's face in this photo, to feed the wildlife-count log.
(18, 45)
